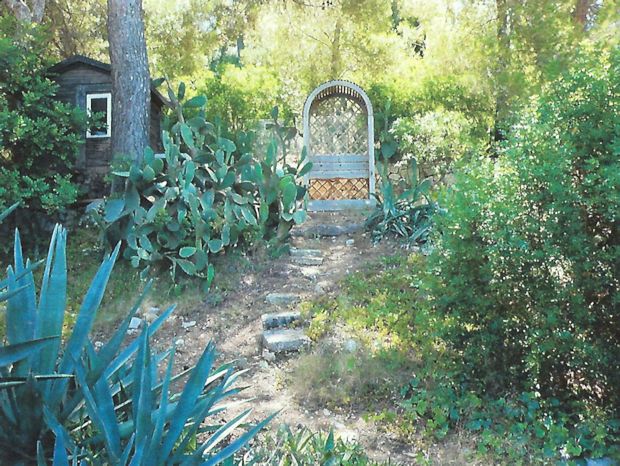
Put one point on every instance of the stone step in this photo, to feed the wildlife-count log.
(330, 230)
(311, 273)
(307, 260)
(279, 319)
(298, 252)
(283, 340)
(282, 299)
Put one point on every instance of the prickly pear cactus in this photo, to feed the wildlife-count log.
(202, 195)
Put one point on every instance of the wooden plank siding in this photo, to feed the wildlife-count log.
(77, 77)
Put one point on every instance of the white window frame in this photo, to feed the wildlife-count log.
(108, 97)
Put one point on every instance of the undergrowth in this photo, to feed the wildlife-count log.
(424, 396)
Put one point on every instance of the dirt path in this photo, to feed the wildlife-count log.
(235, 325)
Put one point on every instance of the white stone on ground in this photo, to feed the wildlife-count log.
(189, 324)
(135, 323)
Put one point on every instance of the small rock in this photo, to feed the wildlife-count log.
(349, 436)
(135, 323)
(179, 342)
(242, 363)
(268, 355)
(98, 344)
(350, 346)
(302, 260)
(281, 298)
(263, 364)
(327, 412)
(350, 242)
(189, 324)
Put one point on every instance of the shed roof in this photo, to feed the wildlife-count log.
(77, 60)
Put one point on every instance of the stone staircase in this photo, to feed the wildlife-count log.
(282, 327)
(282, 330)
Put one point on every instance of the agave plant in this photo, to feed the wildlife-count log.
(106, 406)
(409, 214)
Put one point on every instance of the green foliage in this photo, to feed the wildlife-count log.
(436, 140)
(200, 197)
(385, 302)
(284, 131)
(529, 252)
(240, 96)
(288, 448)
(408, 214)
(439, 400)
(335, 377)
(107, 406)
(524, 280)
(39, 136)
(523, 428)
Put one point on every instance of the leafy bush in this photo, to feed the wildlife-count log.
(39, 136)
(437, 401)
(408, 214)
(525, 275)
(108, 406)
(436, 140)
(200, 197)
(240, 96)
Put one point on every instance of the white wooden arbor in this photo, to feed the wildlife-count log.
(339, 140)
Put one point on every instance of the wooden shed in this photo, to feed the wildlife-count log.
(87, 84)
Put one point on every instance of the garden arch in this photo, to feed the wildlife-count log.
(339, 140)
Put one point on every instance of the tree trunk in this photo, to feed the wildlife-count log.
(503, 57)
(23, 12)
(336, 62)
(131, 82)
(582, 9)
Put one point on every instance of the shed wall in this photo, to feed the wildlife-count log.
(95, 156)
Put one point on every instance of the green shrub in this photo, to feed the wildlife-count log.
(108, 406)
(436, 140)
(39, 136)
(525, 274)
(200, 197)
(240, 96)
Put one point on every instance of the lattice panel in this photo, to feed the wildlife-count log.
(338, 189)
(338, 125)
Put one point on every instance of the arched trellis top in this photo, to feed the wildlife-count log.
(339, 140)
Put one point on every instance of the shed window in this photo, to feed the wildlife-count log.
(99, 106)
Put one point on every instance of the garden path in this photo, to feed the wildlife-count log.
(235, 325)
